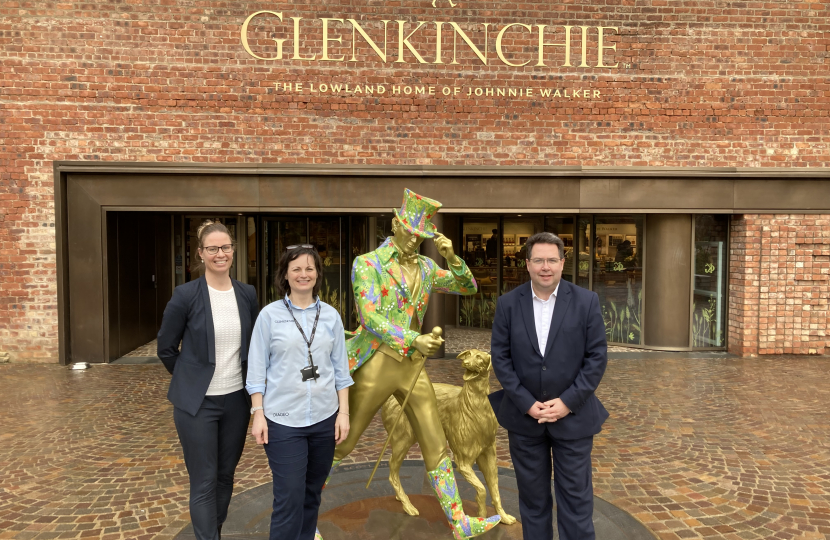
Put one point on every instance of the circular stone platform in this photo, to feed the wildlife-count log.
(349, 511)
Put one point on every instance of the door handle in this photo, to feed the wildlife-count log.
(153, 279)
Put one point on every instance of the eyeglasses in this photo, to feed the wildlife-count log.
(213, 250)
(295, 246)
(541, 262)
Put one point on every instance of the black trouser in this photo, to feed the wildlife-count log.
(212, 442)
(300, 460)
(572, 482)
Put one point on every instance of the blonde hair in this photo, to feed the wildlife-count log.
(208, 227)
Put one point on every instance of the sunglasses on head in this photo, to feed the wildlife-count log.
(295, 246)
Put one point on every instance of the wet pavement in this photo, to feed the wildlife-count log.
(458, 338)
(717, 447)
(350, 511)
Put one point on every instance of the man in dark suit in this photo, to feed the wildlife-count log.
(549, 354)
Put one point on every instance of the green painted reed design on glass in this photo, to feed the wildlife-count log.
(704, 325)
(622, 323)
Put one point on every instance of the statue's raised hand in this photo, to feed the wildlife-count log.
(444, 246)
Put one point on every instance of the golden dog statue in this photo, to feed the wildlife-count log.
(470, 425)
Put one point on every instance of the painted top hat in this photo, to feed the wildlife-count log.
(416, 213)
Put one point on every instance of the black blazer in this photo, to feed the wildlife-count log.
(570, 368)
(189, 321)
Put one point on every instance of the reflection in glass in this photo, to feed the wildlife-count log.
(279, 235)
(383, 229)
(583, 278)
(618, 275)
(325, 236)
(251, 254)
(479, 241)
(709, 307)
(517, 230)
(358, 245)
(563, 227)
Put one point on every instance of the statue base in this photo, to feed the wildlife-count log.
(349, 511)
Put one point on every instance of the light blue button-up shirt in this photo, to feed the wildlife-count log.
(278, 353)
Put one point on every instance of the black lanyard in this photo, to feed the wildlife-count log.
(300, 328)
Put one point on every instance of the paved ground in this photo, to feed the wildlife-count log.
(716, 448)
(457, 339)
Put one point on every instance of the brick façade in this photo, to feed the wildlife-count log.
(779, 288)
(699, 84)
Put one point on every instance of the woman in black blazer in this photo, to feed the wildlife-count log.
(212, 317)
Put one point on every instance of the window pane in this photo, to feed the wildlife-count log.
(618, 276)
(563, 227)
(480, 254)
(709, 312)
(383, 229)
(325, 236)
(516, 232)
(278, 236)
(359, 243)
(251, 260)
(583, 265)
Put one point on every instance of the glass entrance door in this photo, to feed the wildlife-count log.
(279, 234)
(327, 236)
(709, 298)
(337, 247)
(618, 275)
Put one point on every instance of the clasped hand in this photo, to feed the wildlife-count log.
(549, 411)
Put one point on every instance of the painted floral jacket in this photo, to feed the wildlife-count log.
(383, 304)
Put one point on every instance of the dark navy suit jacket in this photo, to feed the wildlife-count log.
(188, 319)
(570, 367)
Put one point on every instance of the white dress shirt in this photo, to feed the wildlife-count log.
(542, 315)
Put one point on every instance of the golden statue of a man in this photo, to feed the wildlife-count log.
(392, 286)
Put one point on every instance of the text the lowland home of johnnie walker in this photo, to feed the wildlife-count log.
(426, 91)
(422, 41)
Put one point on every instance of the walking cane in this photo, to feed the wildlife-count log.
(436, 333)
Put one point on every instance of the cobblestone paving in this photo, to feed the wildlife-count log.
(460, 339)
(457, 339)
(148, 349)
(717, 448)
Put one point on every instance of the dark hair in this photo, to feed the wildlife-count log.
(545, 238)
(283, 288)
(209, 227)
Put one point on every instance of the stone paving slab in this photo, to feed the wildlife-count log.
(717, 448)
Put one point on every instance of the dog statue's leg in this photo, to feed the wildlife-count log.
(487, 463)
(399, 450)
(466, 470)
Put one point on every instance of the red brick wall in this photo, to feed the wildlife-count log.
(699, 84)
(779, 288)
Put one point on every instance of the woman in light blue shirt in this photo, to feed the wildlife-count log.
(298, 378)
